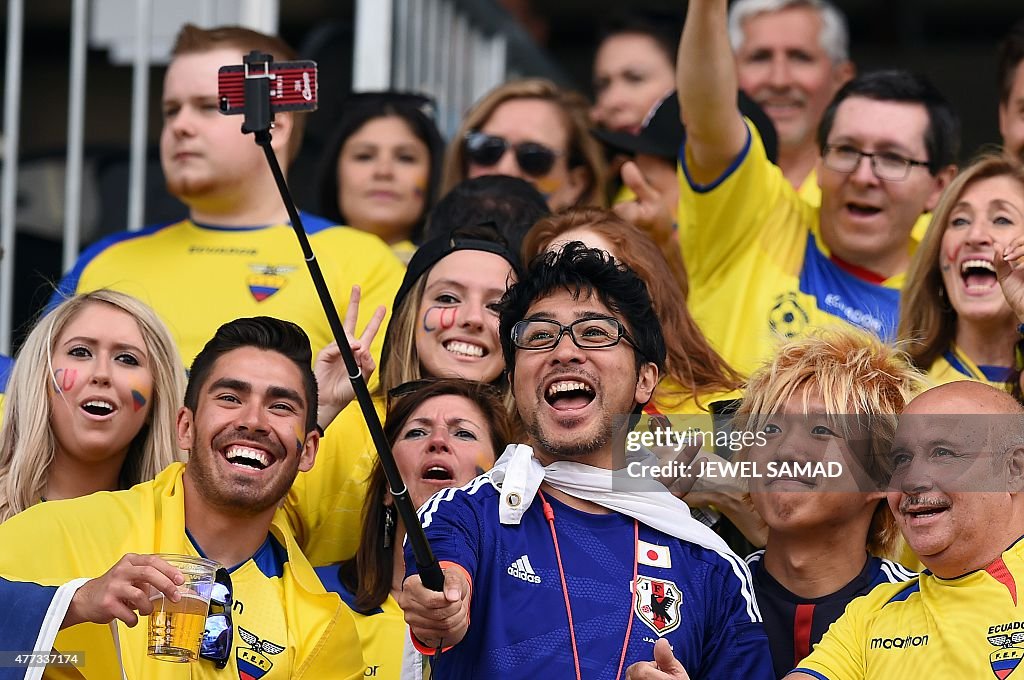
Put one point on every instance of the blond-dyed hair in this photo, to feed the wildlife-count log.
(583, 150)
(927, 321)
(27, 442)
(864, 384)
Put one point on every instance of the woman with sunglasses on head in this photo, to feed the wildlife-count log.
(534, 130)
(954, 314)
(381, 170)
(443, 432)
(91, 402)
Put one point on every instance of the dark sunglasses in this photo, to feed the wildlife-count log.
(536, 160)
(218, 635)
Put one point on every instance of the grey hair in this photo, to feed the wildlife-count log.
(834, 37)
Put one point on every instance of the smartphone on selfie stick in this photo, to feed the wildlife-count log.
(258, 88)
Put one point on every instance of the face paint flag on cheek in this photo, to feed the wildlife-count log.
(436, 318)
(138, 399)
(64, 379)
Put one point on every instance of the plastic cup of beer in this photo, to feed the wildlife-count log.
(176, 628)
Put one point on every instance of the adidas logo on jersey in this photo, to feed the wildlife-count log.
(522, 570)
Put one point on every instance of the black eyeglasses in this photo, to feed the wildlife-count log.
(218, 635)
(592, 333)
(885, 164)
(536, 160)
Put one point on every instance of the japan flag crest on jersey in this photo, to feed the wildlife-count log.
(657, 603)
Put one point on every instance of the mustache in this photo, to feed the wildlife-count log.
(922, 502)
(248, 436)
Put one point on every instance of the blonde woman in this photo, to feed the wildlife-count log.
(91, 402)
(534, 130)
(953, 311)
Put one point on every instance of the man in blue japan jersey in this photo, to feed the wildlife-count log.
(551, 570)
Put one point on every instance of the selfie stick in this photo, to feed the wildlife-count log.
(258, 120)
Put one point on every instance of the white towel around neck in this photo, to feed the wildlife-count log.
(645, 499)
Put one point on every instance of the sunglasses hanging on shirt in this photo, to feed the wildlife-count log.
(218, 633)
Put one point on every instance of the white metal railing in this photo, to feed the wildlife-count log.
(453, 50)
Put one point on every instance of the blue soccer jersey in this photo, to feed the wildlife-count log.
(698, 599)
(795, 624)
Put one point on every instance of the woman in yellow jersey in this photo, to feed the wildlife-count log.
(444, 323)
(953, 313)
(381, 170)
(91, 402)
(443, 432)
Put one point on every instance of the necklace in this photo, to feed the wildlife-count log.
(549, 514)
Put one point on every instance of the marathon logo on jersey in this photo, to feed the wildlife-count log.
(267, 279)
(523, 570)
(253, 662)
(653, 555)
(1004, 661)
(657, 602)
(899, 642)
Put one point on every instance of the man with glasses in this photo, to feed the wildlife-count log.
(763, 262)
(556, 565)
(249, 424)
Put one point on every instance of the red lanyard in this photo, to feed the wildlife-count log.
(549, 514)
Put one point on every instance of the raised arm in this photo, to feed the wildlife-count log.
(707, 85)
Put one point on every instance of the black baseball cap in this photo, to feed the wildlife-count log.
(436, 249)
(663, 133)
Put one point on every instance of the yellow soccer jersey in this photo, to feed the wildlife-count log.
(955, 365)
(286, 625)
(199, 277)
(758, 268)
(325, 505)
(382, 632)
(968, 627)
(809, 189)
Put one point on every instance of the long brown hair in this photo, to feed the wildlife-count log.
(691, 361)
(927, 320)
(368, 575)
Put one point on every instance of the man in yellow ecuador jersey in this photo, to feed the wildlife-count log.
(762, 261)
(958, 495)
(249, 424)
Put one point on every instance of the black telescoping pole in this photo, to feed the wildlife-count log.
(258, 120)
